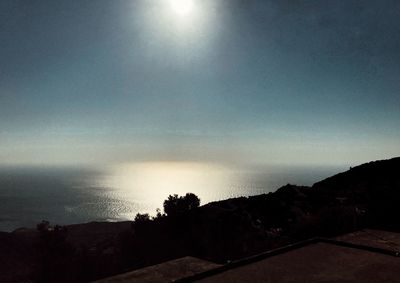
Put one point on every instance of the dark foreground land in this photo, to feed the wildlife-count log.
(364, 196)
(332, 260)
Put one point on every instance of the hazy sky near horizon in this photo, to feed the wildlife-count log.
(201, 80)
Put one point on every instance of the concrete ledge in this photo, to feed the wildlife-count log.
(169, 271)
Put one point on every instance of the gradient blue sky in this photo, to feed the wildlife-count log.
(300, 82)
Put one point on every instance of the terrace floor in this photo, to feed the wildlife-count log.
(364, 256)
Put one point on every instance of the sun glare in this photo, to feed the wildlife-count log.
(182, 7)
(150, 183)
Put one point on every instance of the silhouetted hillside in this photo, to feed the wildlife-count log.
(375, 186)
(369, 175)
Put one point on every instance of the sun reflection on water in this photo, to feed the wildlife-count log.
(150, 183)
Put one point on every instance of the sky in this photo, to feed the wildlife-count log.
(230, 81)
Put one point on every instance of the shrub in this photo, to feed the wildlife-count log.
(43, 226)
(176, 205)
(142, 217)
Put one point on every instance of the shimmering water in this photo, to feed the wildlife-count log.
(65, 195)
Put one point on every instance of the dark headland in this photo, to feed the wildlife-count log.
(366, 196)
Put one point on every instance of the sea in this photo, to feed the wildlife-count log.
(67, 194)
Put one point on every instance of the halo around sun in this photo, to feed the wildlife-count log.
(182, 7)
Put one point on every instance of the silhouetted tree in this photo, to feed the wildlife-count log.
(158, 214)
(141, 222)
(175, 204)
(171, 204)
(43, 226)
(142, 217)
(191, 201)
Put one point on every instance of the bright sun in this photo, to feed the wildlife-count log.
(182, 7)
